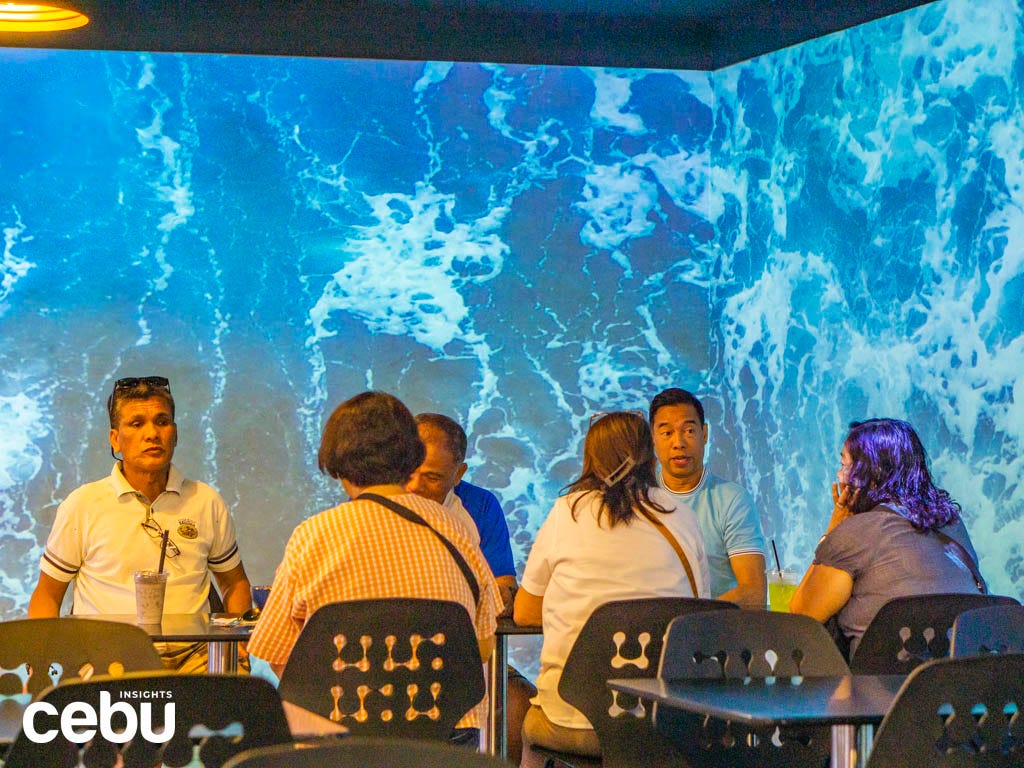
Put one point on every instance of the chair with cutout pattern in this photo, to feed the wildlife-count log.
(214, 717)
(394, 667)
(753, 644)
(38, 653)
(956, 713)
(908, 631)
(994, 629)
(622, 639)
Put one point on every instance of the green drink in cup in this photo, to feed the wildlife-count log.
(781, 586)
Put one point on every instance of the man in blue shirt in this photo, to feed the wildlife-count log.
(730, 525)
(485, 509)
(439, 478)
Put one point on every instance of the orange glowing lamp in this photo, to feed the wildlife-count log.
(32, 17)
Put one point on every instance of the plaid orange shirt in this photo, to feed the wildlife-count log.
(361, 550)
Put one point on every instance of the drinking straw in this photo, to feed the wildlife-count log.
(163, 550)
(778, 565)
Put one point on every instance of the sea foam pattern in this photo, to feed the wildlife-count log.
(824, 234)
(871, 198)
(481, 240)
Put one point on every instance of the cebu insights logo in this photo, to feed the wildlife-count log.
(79, 721)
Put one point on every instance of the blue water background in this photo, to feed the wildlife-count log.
(827, 233)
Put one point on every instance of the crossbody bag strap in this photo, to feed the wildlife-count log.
(961, 552)
(664, 531)
(965, 556)
(412, 517)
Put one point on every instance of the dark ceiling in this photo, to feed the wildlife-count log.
(674, 34)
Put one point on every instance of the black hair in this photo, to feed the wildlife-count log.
(675, 396)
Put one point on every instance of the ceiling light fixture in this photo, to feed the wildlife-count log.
(32, 17)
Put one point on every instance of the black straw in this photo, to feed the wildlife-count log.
(778, 565)
(163, 550)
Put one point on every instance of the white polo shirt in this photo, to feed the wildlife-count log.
(98, 540)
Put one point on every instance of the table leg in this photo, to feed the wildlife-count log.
(497, 703)
(844, 749)
(222, 658)
(865, 738)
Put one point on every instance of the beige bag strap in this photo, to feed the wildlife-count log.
(664, 531)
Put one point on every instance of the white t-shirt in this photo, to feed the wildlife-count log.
(98, 540)
(457, 510)
(577, 565)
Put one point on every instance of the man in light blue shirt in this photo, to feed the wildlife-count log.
(732, 531)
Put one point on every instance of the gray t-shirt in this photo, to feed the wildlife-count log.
(887, 557)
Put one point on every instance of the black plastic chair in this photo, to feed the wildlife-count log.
(391, 667)
(622, 639)
(995, 629)
(358, 752)
(908, 631)
(38, 653)
(214, 717)
(956, 713)
(746, 644)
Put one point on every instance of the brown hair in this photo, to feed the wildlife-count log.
(618, 464)
(371, 439)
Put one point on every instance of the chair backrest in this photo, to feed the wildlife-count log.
(954, 713)
(910, 630)
(746, 644)
(752, 643)
(38, 653)
(213, 718)
(623, 639)
(995, 629)
(366, 753)
(391, 667)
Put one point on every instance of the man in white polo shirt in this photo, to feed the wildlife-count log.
(107, 529)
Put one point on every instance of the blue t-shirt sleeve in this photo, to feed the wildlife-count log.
(485, 509)
(742, 529)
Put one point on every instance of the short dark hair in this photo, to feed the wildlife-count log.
(371, 439)
(675, 396)
(138, 389)
(454, 435)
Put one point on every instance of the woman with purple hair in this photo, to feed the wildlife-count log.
(893, 532)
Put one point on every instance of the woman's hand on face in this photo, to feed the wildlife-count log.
(843, 498)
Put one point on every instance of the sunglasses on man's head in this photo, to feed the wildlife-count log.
(129, 384)
(133, 382)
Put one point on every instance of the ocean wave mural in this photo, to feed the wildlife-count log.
(868, 209)
(819, 235)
